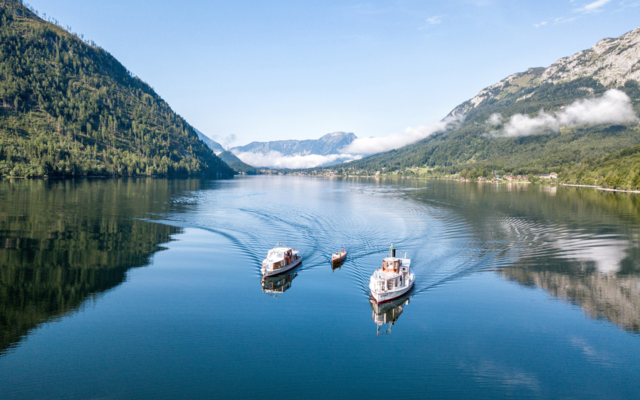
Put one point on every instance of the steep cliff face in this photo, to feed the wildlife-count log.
(610, 62)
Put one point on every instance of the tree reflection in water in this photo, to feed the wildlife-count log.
(65, 242)
(578, 244)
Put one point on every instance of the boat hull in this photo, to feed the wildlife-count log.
(339, 259)
(268, 272)
(381, 297)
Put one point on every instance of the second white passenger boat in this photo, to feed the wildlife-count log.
(393, 279)
(280, 259)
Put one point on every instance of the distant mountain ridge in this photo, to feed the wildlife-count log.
(328, 144)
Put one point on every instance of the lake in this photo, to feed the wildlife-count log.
(151, 288)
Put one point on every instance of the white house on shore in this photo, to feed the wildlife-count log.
(552, 175)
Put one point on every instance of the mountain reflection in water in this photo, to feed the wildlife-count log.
(473, 328)
(579, 245)
(615, 298)
(64, 242)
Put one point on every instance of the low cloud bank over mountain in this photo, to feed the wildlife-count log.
(614, 107)
(275, 159)
(394, 141)
(335, 147)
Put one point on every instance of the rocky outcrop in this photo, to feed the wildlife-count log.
(611, 62)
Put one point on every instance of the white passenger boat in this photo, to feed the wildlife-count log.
(280, 259)
(393, 279)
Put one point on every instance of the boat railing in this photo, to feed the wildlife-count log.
(390, 284)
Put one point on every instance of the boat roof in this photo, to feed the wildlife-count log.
(394, 259)
(280, 249)
(277, 253)
(404, 262)
(378, 274)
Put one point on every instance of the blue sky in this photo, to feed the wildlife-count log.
(268, 70)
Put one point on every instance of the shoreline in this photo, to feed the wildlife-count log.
(601, 188)
(496, 183)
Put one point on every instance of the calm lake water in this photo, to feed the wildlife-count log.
(150, 288)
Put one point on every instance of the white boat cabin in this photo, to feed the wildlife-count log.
(393, 274)
(280, 259)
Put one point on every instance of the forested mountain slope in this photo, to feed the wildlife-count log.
(487, 138)
(68, 108)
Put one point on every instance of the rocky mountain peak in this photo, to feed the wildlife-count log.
(338, 136)
(331, 143)
(611, 62)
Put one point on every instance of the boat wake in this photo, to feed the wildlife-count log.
(320, 217)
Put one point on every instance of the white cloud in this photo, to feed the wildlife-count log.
(628, 3)
(564, 20)
(275, 159)
(523, 125)
(606, 254)
(228, 140)
(435, 20)
(354, 151)
(595, 6)
(614, 107)
(590, 8)
(375, 145)
(495, 119)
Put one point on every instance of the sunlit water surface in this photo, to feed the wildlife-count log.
(146, 288)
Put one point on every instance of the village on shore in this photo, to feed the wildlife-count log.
(463, 176)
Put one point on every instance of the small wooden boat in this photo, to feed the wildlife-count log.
(339, 256)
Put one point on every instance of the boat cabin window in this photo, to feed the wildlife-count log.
(391, 265)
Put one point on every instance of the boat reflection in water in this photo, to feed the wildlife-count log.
(388, 312)
(275, 285)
